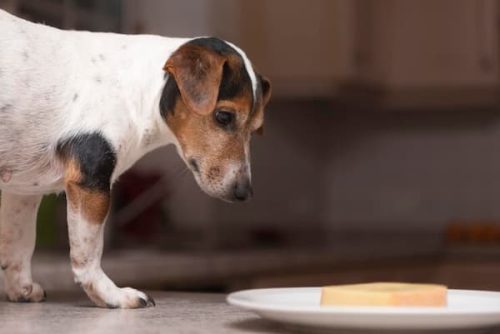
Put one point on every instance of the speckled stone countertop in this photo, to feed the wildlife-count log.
(174, 313)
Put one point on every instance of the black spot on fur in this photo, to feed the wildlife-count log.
(75, 97)
(98, 79)
(101, 57)
(26, 55)
(235, 82)
(95, 156)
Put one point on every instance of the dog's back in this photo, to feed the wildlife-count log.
(54, 81)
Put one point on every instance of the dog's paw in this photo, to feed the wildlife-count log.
(132, 298)
(31, 293)
(125, 298)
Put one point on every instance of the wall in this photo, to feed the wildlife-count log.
(174, 18)
(415, 170)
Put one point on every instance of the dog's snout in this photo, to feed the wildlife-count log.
(242, 191)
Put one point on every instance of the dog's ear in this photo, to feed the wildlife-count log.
(266, 89)
(265, 85)
(198, 74)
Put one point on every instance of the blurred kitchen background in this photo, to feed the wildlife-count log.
(380, 158)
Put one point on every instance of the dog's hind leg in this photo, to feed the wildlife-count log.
(17, 243)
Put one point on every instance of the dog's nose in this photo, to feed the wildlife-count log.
(242, 191)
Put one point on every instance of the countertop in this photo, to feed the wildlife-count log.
(174, 313)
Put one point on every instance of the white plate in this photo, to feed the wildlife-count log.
(300, 306)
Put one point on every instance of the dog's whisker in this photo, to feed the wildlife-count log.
(180, 171)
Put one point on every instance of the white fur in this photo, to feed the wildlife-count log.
(249, 68)
(86, 241)
(55, 84)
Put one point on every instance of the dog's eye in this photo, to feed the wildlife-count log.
(224, 118)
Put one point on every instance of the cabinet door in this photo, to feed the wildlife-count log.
(435, 53)
(439, 42)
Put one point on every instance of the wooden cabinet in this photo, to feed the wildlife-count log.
(441, 53)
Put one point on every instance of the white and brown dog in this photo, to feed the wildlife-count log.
(77, 109)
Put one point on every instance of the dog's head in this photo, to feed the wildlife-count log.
(213, 102)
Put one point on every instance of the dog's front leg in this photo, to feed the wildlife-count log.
(87, 211)
(17, 242)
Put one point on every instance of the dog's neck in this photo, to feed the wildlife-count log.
(146, 93)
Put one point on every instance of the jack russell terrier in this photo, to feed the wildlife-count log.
(77, 109)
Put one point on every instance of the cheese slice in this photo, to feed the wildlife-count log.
(384, 294)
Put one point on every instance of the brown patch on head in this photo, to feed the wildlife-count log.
(93, 205)
(198, 73)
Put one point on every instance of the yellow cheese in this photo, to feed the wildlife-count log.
(384, 294)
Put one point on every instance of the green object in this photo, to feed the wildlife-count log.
(46, 222)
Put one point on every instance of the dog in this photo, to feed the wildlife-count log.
(77, 109)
